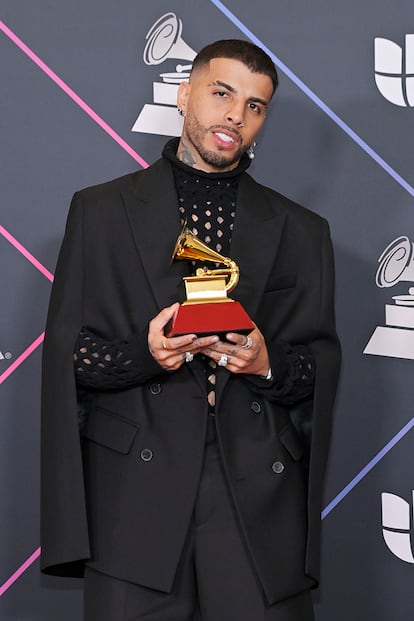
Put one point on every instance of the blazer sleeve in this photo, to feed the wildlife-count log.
(64, 529)
(327, 352)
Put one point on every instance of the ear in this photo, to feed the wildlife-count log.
(183, 95)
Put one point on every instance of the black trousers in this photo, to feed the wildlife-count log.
(215, 580)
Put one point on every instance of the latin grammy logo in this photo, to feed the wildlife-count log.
(164, 42)
(396, 338)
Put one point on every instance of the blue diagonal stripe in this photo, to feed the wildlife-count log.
(309, 93)
(370, 465)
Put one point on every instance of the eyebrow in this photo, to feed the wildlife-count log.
(231, 89)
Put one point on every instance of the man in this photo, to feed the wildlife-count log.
(194, 485)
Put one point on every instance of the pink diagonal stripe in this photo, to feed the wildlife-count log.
(26, 253)
(19, 572)
(71, 93)
(22, 358)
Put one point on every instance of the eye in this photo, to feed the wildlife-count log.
(254, 107)
(221, 94)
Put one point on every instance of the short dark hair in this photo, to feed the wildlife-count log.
(247, 53)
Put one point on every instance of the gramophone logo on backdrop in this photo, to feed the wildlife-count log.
(163, 43)
(394, 70)
(396, 338)
(397, 525)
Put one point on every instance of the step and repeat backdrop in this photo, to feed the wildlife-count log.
(88, 93)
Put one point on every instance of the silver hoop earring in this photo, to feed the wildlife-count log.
(250, 151)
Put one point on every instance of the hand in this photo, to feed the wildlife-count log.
(252, 360)
(170, 353)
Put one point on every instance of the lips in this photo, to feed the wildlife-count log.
(225, 139)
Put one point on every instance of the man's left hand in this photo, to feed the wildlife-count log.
(242, 354)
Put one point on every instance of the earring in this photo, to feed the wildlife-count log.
(180, 111)
(250, 151)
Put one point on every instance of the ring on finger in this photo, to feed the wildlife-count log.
(164, 344)
(248, 343)
(223, 360)
(188, 356)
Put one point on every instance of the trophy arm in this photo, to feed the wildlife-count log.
(232, 271)
(234, 276)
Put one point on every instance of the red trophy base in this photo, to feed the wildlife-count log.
(210, 318)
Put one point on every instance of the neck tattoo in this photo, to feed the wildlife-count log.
(185, 154)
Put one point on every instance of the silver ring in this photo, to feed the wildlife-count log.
(188, 356)
(223, 360)
(164, 344)
(248, 343)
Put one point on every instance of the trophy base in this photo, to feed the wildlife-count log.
(392, 343)
(210, 318)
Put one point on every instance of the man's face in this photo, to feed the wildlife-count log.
(225, 107)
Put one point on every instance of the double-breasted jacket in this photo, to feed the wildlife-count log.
(120, 495)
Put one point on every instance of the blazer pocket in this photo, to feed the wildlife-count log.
(291, 441)
(110, 429)
(281, 281)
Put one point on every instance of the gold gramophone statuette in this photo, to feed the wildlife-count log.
(207, 285)
(206, 309)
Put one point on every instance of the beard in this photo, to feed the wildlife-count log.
(195, 134)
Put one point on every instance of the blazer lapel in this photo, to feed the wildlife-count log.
(151, 205)
(152, 210)
(258, 229)
(257, 233)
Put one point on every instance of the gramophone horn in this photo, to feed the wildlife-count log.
(164, 41)
(188, 246)
(396, 263)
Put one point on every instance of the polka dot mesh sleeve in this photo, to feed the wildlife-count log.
(110, 365)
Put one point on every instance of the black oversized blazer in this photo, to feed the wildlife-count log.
(101, 502)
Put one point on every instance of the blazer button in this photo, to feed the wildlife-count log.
(146, 455)
(155, 389)
(278, 467)
(256, 407)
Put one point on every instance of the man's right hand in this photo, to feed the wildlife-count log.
(170, 353)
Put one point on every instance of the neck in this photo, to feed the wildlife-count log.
(173, 149)
(187, 153)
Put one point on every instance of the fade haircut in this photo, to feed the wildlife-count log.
(247, 53)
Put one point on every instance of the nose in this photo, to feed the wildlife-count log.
(236, 115)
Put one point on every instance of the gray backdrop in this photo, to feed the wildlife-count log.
(333, 142)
